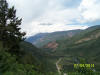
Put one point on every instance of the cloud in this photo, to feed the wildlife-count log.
(56, 15)
(90, 10)
(35, 27)
(29, 9)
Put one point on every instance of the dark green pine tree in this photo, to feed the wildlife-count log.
(3, 18)
(10, 34)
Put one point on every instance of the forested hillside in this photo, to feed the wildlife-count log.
(81, 46)
(16, 56)
(42, 39)
(60, 53)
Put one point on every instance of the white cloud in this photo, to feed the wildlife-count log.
(90, 10)
(29, 9)
(59, 13)
(59, 16)
(35, 27)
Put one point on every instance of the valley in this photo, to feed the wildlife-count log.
(61, 54)
(57, 37)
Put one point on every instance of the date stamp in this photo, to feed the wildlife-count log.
(84, 65)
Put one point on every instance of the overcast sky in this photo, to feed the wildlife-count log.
(56, 15)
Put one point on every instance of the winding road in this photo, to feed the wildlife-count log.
(58, 67)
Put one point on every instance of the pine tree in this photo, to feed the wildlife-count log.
(10, 34)
(3, 18)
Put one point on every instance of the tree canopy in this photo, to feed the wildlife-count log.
(10, 33)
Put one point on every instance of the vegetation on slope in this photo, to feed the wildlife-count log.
(70, 49)
(42, 39)
(22, 58)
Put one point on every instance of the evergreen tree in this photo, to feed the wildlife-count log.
(10, 34)
(3, 18)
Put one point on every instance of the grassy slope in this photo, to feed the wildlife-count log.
(86, 49)
(41, 60)
(68, 51)
(44, 38)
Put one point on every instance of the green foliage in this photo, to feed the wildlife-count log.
(21, 58)
(9, 66)
(68, 50)
(49, 37)
(13, 59)
(10, 34)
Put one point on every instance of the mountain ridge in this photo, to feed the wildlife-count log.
(42, 39)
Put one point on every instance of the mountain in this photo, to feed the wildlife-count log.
(85, 45)
(64, 52)
(86, 35)
(30, 55)
(42, 39)
(36, 56)
(34, 38)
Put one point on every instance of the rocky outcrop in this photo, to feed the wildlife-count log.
(52, 45)
(91, 37)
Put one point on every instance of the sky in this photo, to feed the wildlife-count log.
(42, 16)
